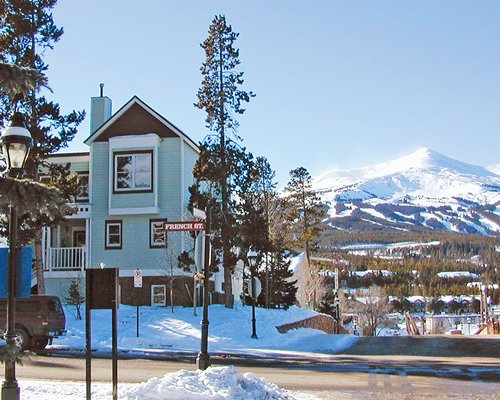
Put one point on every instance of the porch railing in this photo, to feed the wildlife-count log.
(65, 258)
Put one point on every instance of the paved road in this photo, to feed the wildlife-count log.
(371, 381)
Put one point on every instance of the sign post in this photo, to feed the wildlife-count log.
(137, 278)
(98, 297)
(336, 261)
(184, 226)
(203, 359)
(258, 287)
(137, 284)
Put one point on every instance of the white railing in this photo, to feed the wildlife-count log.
(66, 258)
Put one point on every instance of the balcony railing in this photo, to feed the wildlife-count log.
(65, 259)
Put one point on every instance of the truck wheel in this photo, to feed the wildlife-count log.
(22, 339)
(40, 345)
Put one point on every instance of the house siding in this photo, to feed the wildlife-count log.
(190, 157)
(79, 167)
(182, 289)
(169, 183)
(135, 251)
(60, 286)
(174, 157)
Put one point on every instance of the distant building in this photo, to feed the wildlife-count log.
(446, 323)
(440, 305)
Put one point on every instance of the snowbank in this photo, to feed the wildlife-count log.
(214, 383)
(217, 383)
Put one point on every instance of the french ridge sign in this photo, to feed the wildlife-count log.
(184, 226)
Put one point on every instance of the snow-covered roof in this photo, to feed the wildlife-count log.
(445, 299)
(457, 274)
(413, 299)
(361, 274)
(296, 262)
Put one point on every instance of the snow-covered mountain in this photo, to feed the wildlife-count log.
(425, 188)
(494, 168)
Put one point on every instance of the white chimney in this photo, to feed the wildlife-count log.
(100, 110)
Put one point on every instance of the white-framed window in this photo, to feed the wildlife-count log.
(157, 234)
(113, 234)
(83, 186)
(133, 171)
(158, 295)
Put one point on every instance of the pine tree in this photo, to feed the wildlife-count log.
(266, 187)
(253, 231)
(304, 210)
(282, 289)
(27, 31)
(76, 297)
(16, 81)
(221, 99)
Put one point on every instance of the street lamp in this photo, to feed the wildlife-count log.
(252, 257)
(203, 358)
(16, 144)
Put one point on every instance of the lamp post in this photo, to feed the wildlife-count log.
(203, 358)
(252, 261)
(16, 144)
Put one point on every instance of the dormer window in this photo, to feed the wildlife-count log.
(133, 171)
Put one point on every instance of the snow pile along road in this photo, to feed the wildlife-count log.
(214, 383)
(218, 383)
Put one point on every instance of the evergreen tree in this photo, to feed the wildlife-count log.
(221, 99)
(279, 288)
(327, 304)
(76, 297)
(304, 210)
(16, 81)
(266, 188)
(253, 228)
(27, 31)
(282, 289)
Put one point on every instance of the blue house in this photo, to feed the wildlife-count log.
(134, 177)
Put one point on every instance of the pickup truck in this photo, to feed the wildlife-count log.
(39, 319)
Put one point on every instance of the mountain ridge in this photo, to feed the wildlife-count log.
(424, 189)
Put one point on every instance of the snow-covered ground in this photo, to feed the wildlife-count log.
(161, 329)
(179, 330)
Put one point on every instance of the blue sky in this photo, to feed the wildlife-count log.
(339, 84)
